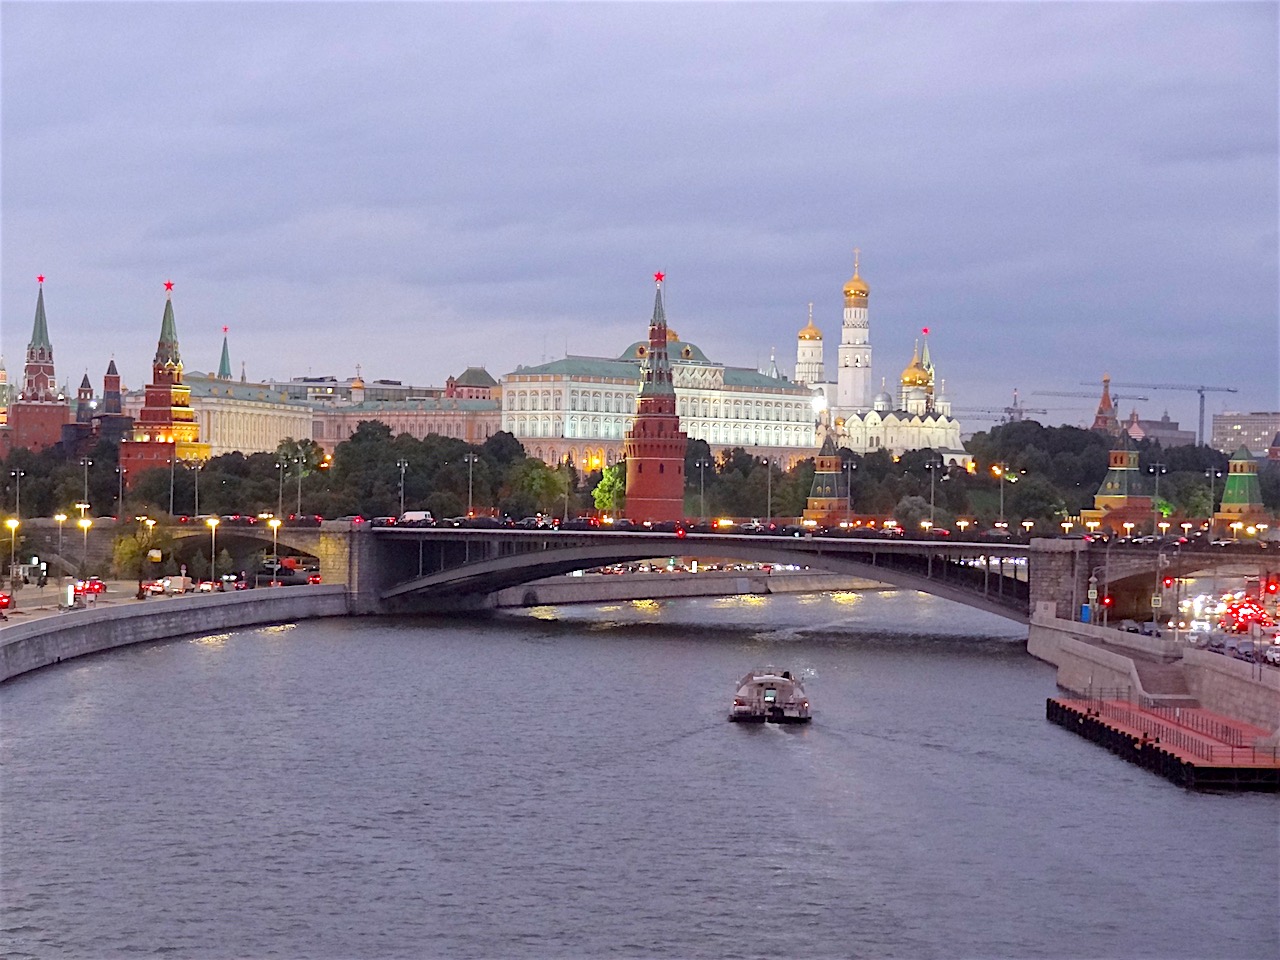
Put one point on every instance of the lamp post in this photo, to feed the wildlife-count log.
(1027, 525)
(1066, 526)
(848, 466)
(86, 463)
(213, 548)
(280, 464)
(195, 466)
(768, 466)
(403, 465)
(120, 472)
(17, 498)
(84, 523)
(61, 518)
(1128, 529)
(173, 466)
(146, 556)
(1093, 526)
(1213, 475)
(471, 459)
(1157, 470)
(933, 466)
(1000, 469)
(274, 523)
(301, 461)
(702, 463)
(12, 524)
(963, 525)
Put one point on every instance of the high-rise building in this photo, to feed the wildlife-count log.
(1253, 430)
(38, 413)
(165, 431)
(655, 444)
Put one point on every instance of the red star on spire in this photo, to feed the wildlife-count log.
(40, 279)
(168, 285)
(925, 331)
(659, 277)
(224, 330)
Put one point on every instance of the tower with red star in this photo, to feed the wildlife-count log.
(38, 413)
(165, 432)
(655, 445)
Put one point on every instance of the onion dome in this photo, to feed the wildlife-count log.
(915, 375)
(856, 287)
(810, 332)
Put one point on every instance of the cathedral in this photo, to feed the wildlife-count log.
(916, 417)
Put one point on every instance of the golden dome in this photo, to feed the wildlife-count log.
(856, 287)
(915, 375)
(810, 332)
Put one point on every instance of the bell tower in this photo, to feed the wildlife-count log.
(853, 381)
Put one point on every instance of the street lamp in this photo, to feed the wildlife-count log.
(1001, 472)
(848, 466)
(213, 548)
(274, 523)
(471, 459)
(146, 556)
(301, 461)
(933, 466)
(1093, 526)
(1027, 525)
(1186, 527)
(1212, 475)
(1157, 470)
(120, 472)
(963, 525)
(1066, 526)
(280, 464)
(173, 466)
(84, 523)
(1128, 528)
(702, 463)
(768, 464)
(1235, 528)
(61, 518)
(12, 524)
(195, 466)
(1164, 527)
(403, 465)
(17, 500)
(86, 463)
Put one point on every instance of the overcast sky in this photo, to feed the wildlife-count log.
(1056, 190)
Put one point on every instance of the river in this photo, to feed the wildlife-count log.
(562, 782)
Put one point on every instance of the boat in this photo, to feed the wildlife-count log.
(767, 696)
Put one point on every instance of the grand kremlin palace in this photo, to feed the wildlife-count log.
(580, 408)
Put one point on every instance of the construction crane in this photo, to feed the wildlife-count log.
(1010, 414)
(1115, 397)
(1202, 390)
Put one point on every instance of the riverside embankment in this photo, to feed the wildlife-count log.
(61, 636)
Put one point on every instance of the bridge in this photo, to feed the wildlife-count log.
(401, 569)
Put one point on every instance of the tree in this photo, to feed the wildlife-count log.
(503, 448)
(611, 492)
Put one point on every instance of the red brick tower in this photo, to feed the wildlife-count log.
(655, 446)
(166, 431)
(37, 415)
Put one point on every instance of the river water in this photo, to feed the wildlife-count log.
(563, 783)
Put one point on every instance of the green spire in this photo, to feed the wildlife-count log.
(1242, 491)
(167, 350)
(40, 331)
(224, 365)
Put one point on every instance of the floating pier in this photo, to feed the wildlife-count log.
(1193, 747)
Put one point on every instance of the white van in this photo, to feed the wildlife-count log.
(415, 518)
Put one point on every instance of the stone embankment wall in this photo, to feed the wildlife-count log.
(1082, 667)
(39, 643)
(599, 588)
(1249, 691)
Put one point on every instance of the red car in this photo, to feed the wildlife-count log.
(6, 601)
(313, 578)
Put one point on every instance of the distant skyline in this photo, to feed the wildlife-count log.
(1057, 191)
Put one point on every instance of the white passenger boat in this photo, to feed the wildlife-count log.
(770, 697)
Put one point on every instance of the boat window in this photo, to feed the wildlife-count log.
(770, 695)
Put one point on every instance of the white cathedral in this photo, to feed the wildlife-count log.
(918, 418)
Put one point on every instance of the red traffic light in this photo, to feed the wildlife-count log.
(1108, 600)
(1273, 586)
(1168, 582)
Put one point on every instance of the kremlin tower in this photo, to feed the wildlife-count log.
(655, 446)
(1105, 420)
(37, 414)
(165, 431)
(853, 390)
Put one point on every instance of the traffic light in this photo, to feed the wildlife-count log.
(1273, 586)
(1108, 600)
(1168, 582)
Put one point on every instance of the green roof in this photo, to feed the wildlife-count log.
(224, 365)
(475, 377)
(40, 330)
(167, 349)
